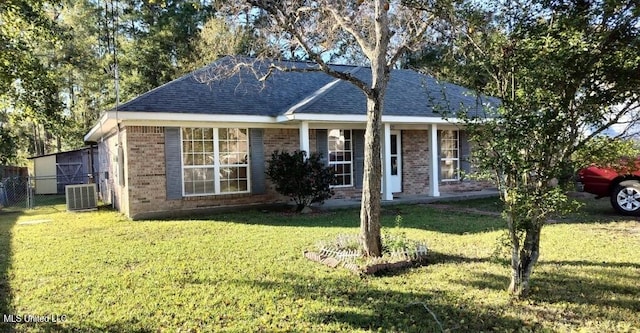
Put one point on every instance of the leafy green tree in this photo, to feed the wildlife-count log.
(28, 86)
(156, 40)
(57, 62)
(605, 151)
(565, 71)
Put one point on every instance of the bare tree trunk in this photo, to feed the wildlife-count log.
(371, 198)
(370, 206)
(38, 143)
(524, 259)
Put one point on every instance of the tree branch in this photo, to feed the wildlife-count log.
(367, 48)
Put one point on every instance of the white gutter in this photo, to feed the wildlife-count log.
(348, 118)
(108, 120)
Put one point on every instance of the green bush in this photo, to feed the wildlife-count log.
(305, 180)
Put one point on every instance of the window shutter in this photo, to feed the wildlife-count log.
(173, 162)
(257, 162)
(322, 145)
(465, 153)
(358, 157)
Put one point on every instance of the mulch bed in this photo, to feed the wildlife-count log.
(370, 269)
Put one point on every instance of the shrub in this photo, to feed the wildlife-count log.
(304, 180)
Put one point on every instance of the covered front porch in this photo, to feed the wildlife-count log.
(418, 159)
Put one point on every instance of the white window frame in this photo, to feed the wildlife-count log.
(455, 160)
(350, 151)
(216, 166)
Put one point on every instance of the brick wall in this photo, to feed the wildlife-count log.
(146, 178)
(465, 186)
(146, 165)
(144, 194)
(415, 162)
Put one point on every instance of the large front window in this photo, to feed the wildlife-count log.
(449, 155)
(341, 156)
(215, 160)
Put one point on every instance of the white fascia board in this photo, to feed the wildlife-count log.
(104, 125)
(110, 119)
(195, 117)
(362, 119)
(189, 123)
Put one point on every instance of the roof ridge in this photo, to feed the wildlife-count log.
(313, 97)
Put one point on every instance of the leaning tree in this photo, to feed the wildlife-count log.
(566, 72)
(377, 32)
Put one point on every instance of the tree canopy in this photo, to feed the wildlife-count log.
(565, 72)
(57, 65)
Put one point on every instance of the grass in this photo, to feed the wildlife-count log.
(245, 272)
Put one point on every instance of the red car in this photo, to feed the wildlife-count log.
(623, 188)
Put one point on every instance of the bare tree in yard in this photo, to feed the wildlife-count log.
(566, 72)
(378, 31)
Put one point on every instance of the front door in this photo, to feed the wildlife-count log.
(396, 162)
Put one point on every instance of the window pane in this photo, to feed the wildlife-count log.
(394, 144)
(243, 147)
(199, 149)
(394, 165)
(242, 134)
(208, 159)
(224, 186)
(198, 187)
(198, 159)
(208, 146)
(188, 175)
(223, 147)
(340, 154)
(187, 133)
(232, 147)
(347, 145)
(188, 159)
(243, 186)
(209, 174)
(209, 186)
(188, 188)
(197, 133)
(223, 134)
(448, 170)
(208, 133)
(187, 146)
(228, 173)
(449, 151)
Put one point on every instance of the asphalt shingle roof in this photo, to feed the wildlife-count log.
(409, 93)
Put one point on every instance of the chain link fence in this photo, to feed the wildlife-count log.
(20, 192)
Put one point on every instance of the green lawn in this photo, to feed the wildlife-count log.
(245, 272)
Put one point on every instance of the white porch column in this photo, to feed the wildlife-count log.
(434, 162)
(304, 137)
(386, 163)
